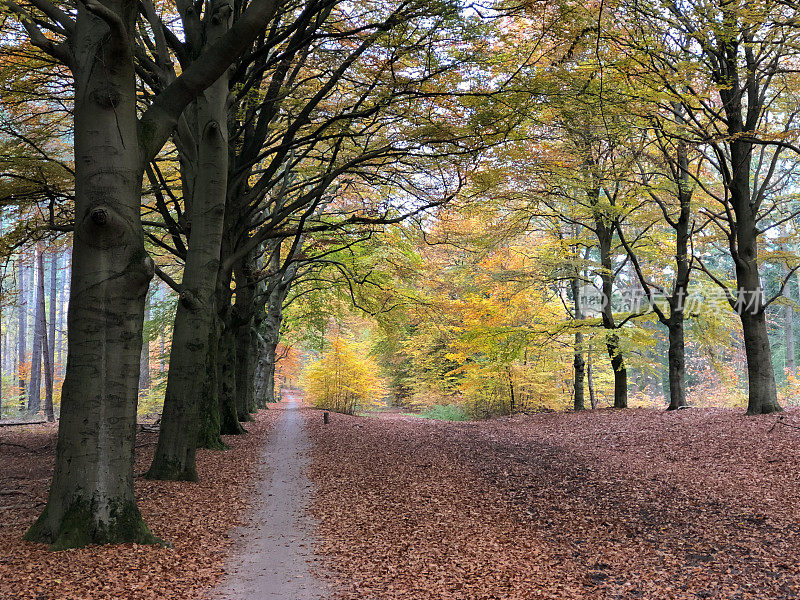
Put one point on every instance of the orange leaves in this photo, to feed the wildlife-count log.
(596, 505)
(194, 518)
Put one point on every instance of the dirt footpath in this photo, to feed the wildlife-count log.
(273, 557)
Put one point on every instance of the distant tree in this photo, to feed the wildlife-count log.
(343, 379)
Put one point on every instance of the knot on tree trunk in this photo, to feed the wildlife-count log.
(189, 300)
(107, 97)
(103, 228)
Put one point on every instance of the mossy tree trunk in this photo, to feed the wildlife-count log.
(91, 496)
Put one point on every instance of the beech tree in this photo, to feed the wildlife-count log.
(668, 181)
(301, 121)
(727, 66)
(91, 496)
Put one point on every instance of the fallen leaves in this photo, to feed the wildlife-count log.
(607, 504)
(194, 518)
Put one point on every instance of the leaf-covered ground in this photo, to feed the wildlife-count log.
(703, 503)
(195, 518)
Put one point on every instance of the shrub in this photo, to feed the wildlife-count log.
(343, 380)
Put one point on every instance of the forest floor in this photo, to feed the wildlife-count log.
(702, 503)
(197, 519)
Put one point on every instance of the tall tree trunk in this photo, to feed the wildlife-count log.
(204, 192)
(677, 363)
(22, 327)
(144, 358)
(744, 231)
(91, 497)
(604, 235)
(763, 393)
(51, 335)
(39, 325)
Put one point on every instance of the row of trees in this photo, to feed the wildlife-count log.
(227, 148)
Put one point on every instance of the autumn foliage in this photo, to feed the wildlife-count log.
(344, 379)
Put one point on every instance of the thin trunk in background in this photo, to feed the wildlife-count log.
(590, 378)
(3, 347)
(35, 389)
(144, 360)
(788, 331)
(579, 364)
(62, 310)
(51, 332)
(44, 345)
(22, 325)
(791, 365)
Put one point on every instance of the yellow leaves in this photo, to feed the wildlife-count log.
(344, 379)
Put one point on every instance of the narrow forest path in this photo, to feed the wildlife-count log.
(273, 554)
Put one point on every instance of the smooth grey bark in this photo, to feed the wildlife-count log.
(204, 161)
(39, 325)
(22, 328)
(91, 497)
(51, 333)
